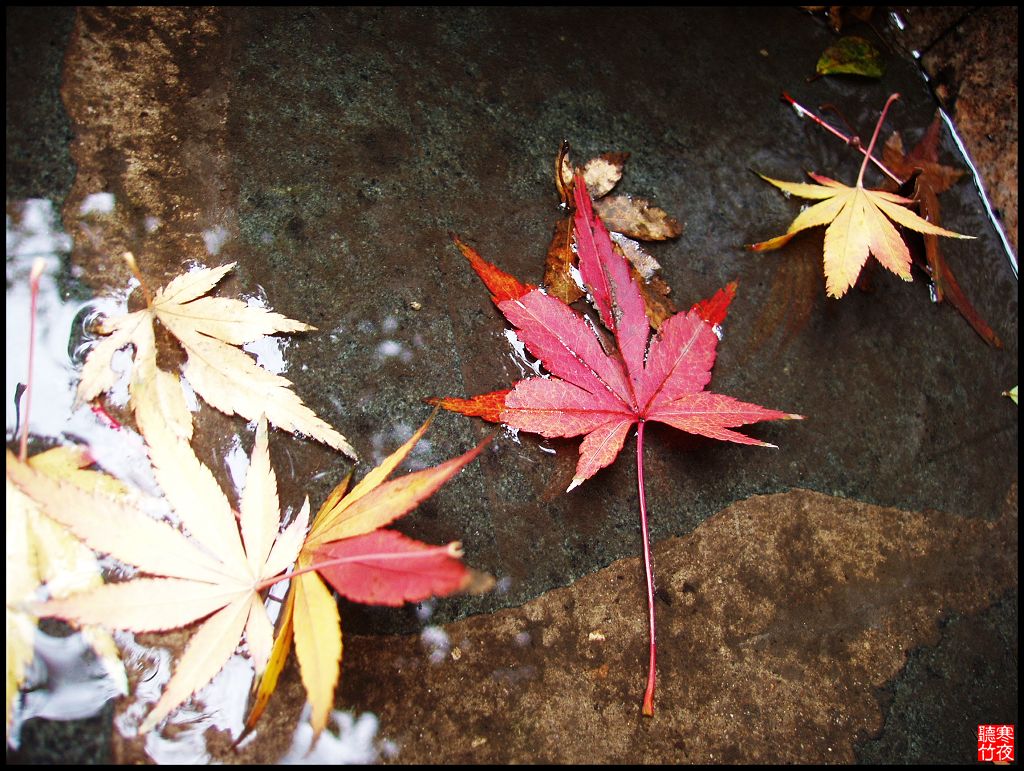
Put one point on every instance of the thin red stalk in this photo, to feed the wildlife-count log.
(33, 284)
(874, 138)
(452, 550)
(852, 141)
(648, 708)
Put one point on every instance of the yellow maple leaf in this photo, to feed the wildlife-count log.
(209, 329)
(310, 613)
(858, 224)
(216, 573)
(41, 551)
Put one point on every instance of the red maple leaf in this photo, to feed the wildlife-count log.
(600, 395)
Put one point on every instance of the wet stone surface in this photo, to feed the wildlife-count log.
(330, 152)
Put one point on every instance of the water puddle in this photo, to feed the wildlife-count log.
(329, 152)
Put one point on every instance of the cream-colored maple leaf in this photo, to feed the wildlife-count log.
(209, 329)
(858, 224)
(858, 221)
(41, 551)
(216, 573)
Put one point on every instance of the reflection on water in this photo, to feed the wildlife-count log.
(32, 232)
(352, 743)
(435, 641)
(65, 681)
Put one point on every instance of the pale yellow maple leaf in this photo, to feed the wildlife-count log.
(41, 551)
(858, 225)
(209, 329)
(310, 614)
(215, 573)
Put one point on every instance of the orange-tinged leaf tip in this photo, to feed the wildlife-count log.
(455, 550)
(576, 482)
(771, 244)
(487, 406)
(503, 286)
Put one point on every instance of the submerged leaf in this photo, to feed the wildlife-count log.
(851, 56)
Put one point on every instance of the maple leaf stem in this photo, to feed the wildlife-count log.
(648, 708)
(874, 138)
(33, 283)
(129, 258)
(852, 141)
(454, 549)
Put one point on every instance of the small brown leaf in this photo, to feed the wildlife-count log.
(933, 178)
(637, 218)
(603, 172)
(653, 289)
(657, 304)
(560, 259)
(642, 260)
(924, 156)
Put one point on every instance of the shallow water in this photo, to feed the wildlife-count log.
(329, 152)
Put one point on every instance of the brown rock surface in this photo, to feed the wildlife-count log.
(785, 615)
(971, 57)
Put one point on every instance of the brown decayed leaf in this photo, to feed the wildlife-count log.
(934, 178)
(557, 265)
(215, 574)
(209, 329)
(653, 289)
(603, 173)
(642, 260)
(637, 218)
(657, 304)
